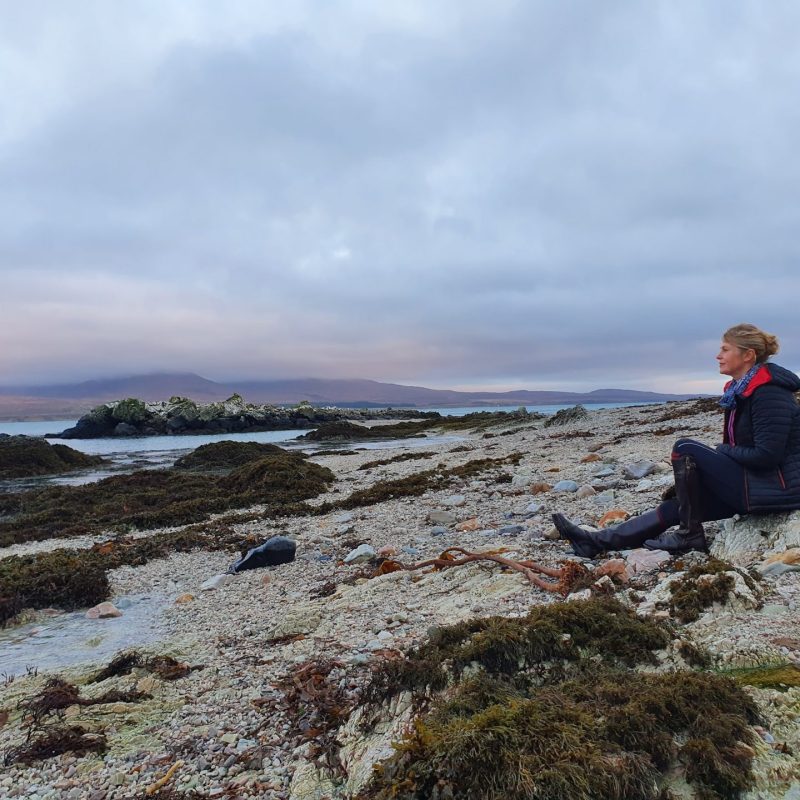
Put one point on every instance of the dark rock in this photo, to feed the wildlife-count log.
(124, 429)
(567, 415)
(277, 550)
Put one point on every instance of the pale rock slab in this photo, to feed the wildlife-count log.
(746, 540)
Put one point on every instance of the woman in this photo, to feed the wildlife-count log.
(756, 468)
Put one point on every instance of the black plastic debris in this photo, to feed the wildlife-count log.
(277, 550)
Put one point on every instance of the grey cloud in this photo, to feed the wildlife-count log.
(548, 192)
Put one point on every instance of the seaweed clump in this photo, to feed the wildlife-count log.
(55, 741)
(700, 587)
(226, 455)
(166, 667)
(552, 706)
(158, 498)
(395, 459)
(417, 483)
(29, 456)
(344, 431)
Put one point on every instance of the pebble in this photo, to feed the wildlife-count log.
(566, 486)
(360, 555)
(639, 469)
(442, 517)
(454, 501)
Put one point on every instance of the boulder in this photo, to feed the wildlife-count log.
(103, 611)
(566, 415)
(744, 541)
(276, 550)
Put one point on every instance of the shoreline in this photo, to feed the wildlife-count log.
(250, 633)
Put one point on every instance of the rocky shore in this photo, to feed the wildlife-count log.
(181, 416)
(285, 693)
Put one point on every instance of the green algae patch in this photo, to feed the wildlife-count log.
(226, 455)
(777, 676)
(700, 587)
(149, 499)
(28, 456)
(554, 705)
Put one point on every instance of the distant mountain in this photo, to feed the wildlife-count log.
(22, 401)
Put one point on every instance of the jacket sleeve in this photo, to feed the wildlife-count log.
(771, 411)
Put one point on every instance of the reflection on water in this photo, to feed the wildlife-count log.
(69, 638)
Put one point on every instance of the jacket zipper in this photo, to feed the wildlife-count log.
(746, 490)
(780, 478)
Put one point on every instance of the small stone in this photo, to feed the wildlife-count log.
(540, 488)
(585, 491)
(532, 508)
(184, 598)
(603, 472)
(343, 519)
(471, 524)
(266, 579)
(454, 501)
(604, 498)
(361, 554)
(343, 530)
(639, 469)
(103, 611)
(644, 485)
(566, 486)
(511, 530)
(229, 738)
(583, 594)
(590, 458)
(442, 517)
(438, 530)
(387, 550)
(216, 581)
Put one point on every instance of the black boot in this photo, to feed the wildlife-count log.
(690, 535)
(625, 536)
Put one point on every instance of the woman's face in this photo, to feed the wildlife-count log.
(734, 361)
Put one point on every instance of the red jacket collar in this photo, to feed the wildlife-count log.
(759, 379)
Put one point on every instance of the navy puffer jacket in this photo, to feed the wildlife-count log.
(762, 433)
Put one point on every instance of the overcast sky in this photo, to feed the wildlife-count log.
(572, 194)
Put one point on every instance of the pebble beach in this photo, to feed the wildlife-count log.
(231, 728)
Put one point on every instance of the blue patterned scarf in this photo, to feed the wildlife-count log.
(736, 388)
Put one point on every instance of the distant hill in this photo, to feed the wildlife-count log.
(76, 398)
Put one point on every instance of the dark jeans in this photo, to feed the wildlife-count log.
(721, 483)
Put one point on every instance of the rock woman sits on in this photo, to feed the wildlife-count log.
(755, 470)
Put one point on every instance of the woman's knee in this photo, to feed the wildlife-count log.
(687, 447)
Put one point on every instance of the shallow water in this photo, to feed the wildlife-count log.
(69, 639)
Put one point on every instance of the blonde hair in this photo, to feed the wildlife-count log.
(749, 337)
